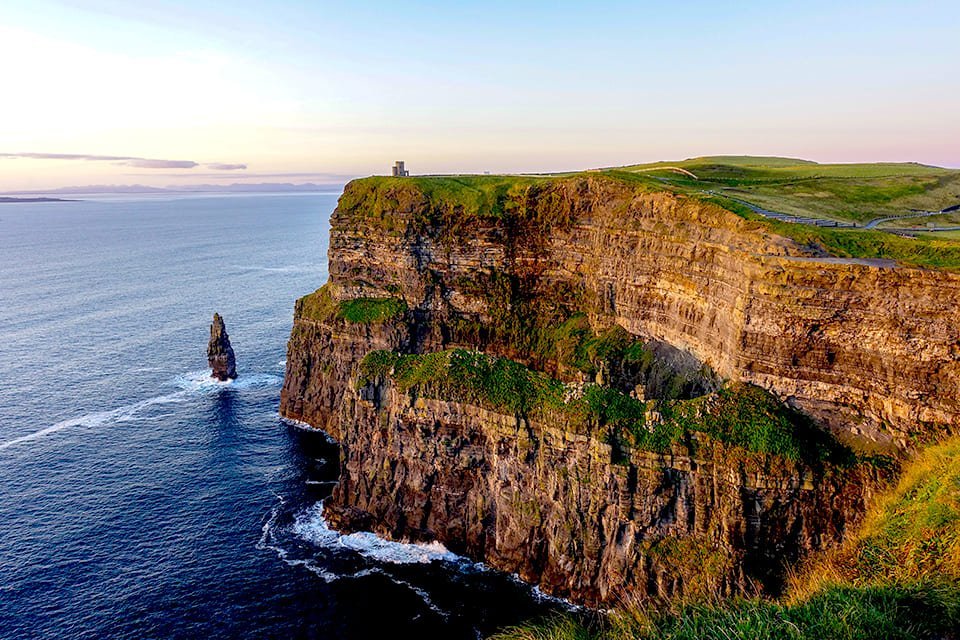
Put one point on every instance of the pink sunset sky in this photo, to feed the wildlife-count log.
(104, 92)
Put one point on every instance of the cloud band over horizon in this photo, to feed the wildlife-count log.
(130, 161)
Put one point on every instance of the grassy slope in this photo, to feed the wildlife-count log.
(898, 578)
(849, 192)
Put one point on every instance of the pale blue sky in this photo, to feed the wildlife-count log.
(314, 88)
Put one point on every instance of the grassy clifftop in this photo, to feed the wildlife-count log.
(851, 193)
(846, 192)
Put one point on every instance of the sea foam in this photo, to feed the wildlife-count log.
(310, 526)
(203, 382)
(97, 419)
(190, 383)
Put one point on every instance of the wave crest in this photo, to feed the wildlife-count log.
(310, 526)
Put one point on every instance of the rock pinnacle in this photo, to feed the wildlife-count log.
(223, 365)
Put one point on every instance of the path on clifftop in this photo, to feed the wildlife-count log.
(919, 214)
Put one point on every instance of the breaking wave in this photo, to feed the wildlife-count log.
(201, 381)
(312, 527)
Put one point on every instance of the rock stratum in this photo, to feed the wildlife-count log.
(561, 377)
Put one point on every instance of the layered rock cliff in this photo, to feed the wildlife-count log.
(866, 350)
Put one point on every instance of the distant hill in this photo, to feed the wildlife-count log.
(264, 187)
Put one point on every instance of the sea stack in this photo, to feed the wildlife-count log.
(223, 365)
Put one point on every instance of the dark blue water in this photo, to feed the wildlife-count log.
(140, 499)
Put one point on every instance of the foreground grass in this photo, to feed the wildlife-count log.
(910, 537)
(868, 613)
(898, 578)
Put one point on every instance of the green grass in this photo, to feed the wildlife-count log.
(941, 236)
(321, 307)
(919, 223)
(863, 243)
(910, 536)
(467, 376)
(371, 310)
(850, 192)
(613, 356)
(845, 192)
(837, 613)
(441, 199)
(318, 306)
(750, 418)
(899, 577)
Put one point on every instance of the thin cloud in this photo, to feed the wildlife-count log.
(220, 166)
(129, 161)
(149, 163)
(64, 156)
(339, 178)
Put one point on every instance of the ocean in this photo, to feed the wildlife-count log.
(140, 499)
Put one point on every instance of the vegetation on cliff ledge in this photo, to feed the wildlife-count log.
(321, 307)
(899, 577)
(740, 415)
(371, 310)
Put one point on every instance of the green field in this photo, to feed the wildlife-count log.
(844, 192)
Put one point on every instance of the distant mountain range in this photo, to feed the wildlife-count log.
(263, 187)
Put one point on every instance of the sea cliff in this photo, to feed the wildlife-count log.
(607, 387)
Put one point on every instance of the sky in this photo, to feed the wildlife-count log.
(216, 91)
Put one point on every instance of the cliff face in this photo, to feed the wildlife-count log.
(870, 351)
(554, 507)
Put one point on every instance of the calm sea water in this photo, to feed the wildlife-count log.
(138, 498)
